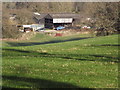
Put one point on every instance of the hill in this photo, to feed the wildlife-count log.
(24, 13)
(103, 14)
(77, 61)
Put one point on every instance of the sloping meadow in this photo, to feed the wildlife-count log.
(78, 62)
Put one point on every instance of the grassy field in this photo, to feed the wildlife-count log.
(77, 61)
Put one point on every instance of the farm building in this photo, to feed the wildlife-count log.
(45, 20)
(28, 28)
(54, 20)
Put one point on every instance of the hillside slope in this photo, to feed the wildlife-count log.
(102, 14)
(77, 62)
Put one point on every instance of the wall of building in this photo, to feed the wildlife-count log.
(49, 23)
(62, 20)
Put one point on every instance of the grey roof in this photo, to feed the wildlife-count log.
(40, 16)
(65, 15)
(59, 15)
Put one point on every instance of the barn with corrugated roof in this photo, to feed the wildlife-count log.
(55, 20)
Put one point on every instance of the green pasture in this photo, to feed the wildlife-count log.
(78, 61)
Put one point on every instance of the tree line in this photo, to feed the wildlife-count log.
(105, 15)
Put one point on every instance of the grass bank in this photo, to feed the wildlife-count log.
(55, 62)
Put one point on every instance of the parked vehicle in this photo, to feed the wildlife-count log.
(60, 28)
(86, 27)
(41, 29)
(74, 28)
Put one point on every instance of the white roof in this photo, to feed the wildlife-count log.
(26, 25)
(62, 20)
(36, 13)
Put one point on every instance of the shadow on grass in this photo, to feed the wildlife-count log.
(47, 42)
(37, 83)
(81, 57)
(16, 50)
(105, 56)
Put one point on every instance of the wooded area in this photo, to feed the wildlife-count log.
(105, 14)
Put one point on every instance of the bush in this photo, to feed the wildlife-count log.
(10, 32)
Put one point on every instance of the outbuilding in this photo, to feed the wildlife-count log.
(55, 20)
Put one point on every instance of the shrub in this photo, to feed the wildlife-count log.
(10, 32)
